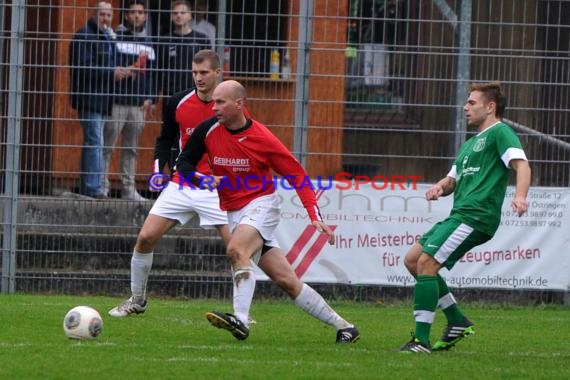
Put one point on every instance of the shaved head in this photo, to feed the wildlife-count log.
(229, 101)
(232, 89)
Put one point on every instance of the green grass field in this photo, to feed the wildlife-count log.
(173, 340)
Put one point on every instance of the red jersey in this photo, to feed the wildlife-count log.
(183, 113)
(246, 158)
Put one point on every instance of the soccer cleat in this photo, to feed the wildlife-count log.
(347, 335)
(228, 322)
(416, 347)
(453, 334)
(128, 307)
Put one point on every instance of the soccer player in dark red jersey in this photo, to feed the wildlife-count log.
(239, 147)
(177, 204)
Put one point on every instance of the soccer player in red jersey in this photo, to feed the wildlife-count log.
(177, 204)
(240, 147)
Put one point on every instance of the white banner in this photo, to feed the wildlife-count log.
(375, 228)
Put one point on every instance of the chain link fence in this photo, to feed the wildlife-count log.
(363, 86)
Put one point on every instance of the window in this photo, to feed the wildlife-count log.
(253, 29)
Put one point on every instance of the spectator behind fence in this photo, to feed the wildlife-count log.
(478, 179)
(176, 48)
(93, 73)
(134, 97)
(200, 24)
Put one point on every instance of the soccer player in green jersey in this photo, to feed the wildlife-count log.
(478, 179)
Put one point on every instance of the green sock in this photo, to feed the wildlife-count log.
(426, 294)
(451, 310)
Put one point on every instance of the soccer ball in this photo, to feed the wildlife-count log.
(82, 322)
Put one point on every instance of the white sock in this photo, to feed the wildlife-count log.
(446, 301)
(313, 303)
(244, 287)
(140, 269)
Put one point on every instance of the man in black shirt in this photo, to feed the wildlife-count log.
(176, 50)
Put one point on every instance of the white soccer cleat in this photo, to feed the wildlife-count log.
(128, 307)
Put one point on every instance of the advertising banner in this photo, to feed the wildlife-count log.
(375, 228)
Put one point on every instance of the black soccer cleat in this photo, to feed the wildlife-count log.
(228, 322)
(347, 335)
(416, 347)
(453, 334)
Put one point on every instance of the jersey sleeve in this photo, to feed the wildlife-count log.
(453, 172)
(285, 164)
(169, 134)
(509, 146)
(193, 151)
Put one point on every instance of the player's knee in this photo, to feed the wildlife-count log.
(145, 242)
(410, 262)
(412, 257)
(236, 255)
(427, 265)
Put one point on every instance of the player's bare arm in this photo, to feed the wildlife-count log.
(323, 228)
(522, 168)
(444, 187)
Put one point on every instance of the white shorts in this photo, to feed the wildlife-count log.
(263, 214)
(183, 204)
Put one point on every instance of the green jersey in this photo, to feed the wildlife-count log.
(481, 172)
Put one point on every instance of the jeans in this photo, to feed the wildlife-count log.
(92, 153)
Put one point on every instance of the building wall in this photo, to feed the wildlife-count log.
(406, 126)
(271, 102)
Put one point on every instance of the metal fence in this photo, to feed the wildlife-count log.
(365, 86)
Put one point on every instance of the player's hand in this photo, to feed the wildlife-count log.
(434, 192)
(323, 228)
(520, 205)
(210, 182)
(158, 184)
(157, 181)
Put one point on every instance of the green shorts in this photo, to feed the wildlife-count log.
(448, 240)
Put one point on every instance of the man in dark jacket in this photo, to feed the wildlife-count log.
(93, 73)
(176, 50)
(133, 96)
